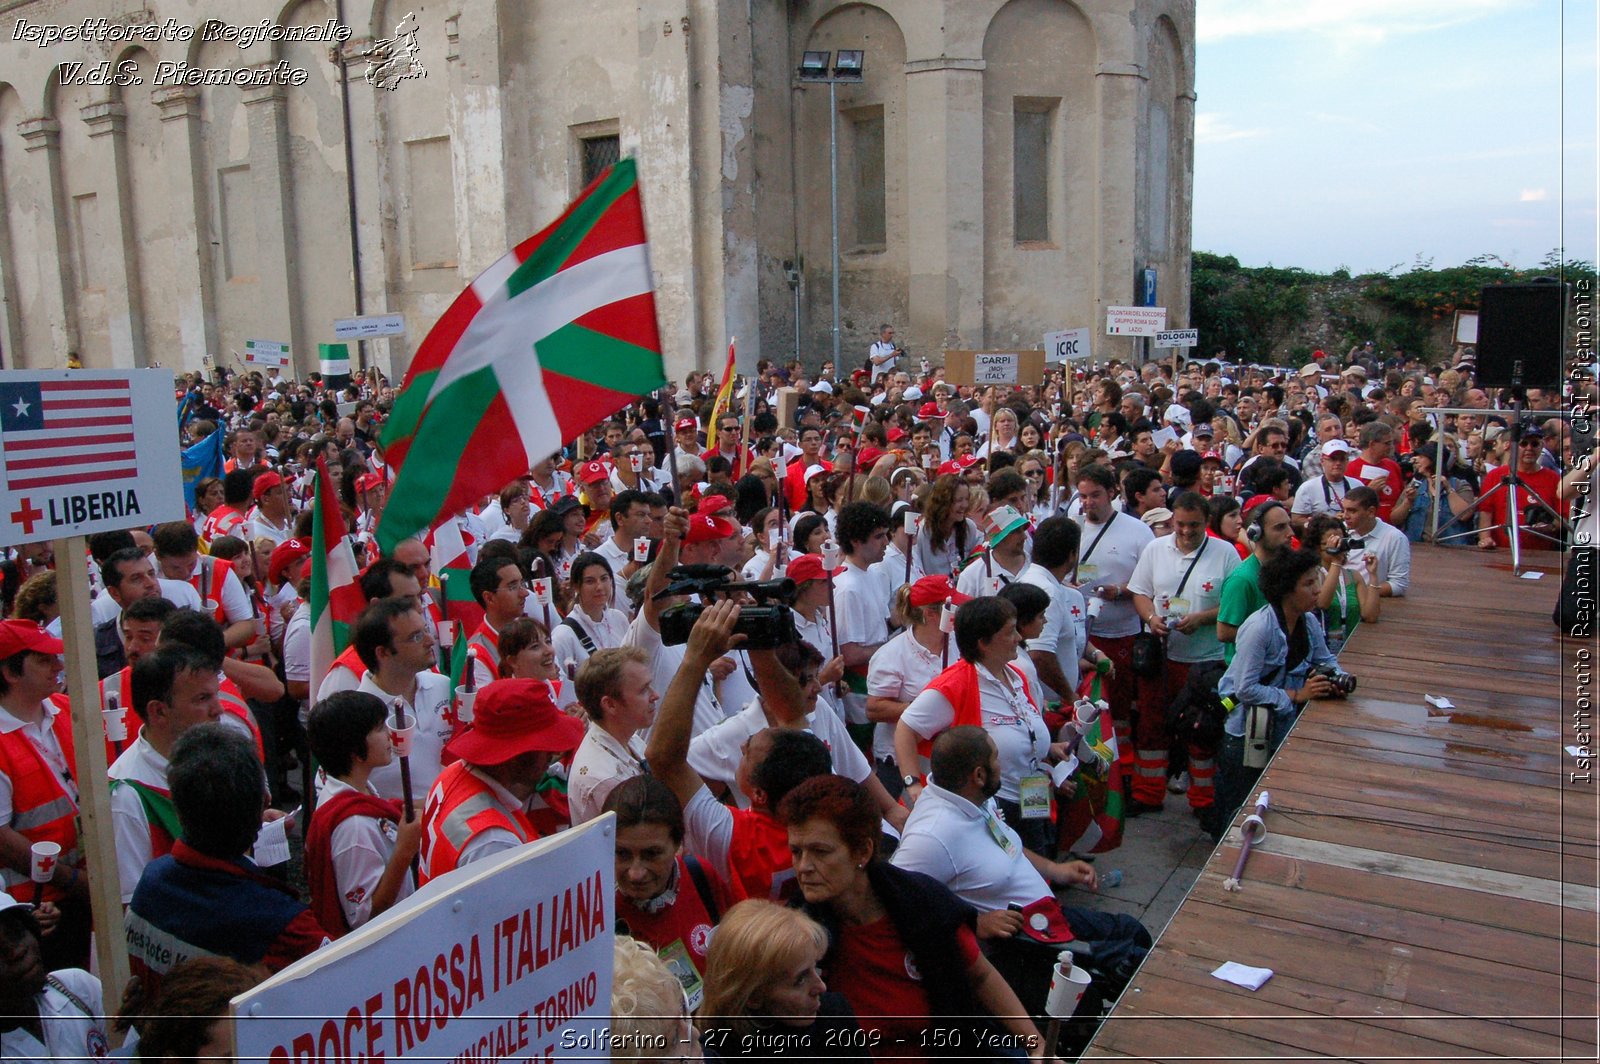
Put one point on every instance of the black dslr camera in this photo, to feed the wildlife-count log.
(1343, 683)
(1348, 543)
(766, 624)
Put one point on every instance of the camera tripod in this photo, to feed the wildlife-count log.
(1513, 486)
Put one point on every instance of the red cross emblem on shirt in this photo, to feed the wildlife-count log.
(1074, 611)
(1206, 587)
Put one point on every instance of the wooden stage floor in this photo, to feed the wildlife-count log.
(1427, 888)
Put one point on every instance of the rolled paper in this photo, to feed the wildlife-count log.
(780, 468)
(930, 460)
(1096, 604)
(1085, 712)
(774, 537)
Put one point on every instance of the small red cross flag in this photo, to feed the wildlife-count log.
(44, 861)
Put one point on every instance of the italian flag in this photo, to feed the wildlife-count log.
(336, 599)
(555, 337)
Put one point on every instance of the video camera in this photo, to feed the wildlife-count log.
(1348, 543)
(767, 624)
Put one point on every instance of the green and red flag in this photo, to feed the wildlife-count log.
(336, 599)
(552, 339)
(447, 545)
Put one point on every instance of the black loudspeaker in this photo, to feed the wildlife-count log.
(1522, 332)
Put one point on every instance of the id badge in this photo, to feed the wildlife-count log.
(1178, 608)
(999, 835)
(1034, 797)
(676, 958)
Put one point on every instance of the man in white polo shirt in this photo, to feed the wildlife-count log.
(616, 690)
(1323, 494)
(1112, 543)
(392, 641)
(860, 600)
(1177, 588)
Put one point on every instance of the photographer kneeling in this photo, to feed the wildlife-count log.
(1281, 662)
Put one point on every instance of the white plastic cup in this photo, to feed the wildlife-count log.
(830, 555)
(774, 537)
(400, 736)
(1068, 983)
(930, 460)
(1096, 604)
(116, 722)
(947, 618)
(636, 462)
(464, 700)
(913, 522)
(45, 855)
(780, 468)
(541, 592)
(641, 549)
(1085, 712)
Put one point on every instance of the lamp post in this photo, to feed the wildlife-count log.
(821, 68)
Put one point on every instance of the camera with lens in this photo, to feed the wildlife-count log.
(1408, 466)
(1348, 543)
(765, 624)
(1343, 683)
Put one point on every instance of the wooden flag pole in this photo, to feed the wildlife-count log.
(749, 415)
(96, 836)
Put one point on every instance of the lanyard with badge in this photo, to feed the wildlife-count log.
(1033, 789)
(1085, 572)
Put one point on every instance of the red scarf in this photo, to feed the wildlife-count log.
(320, 876)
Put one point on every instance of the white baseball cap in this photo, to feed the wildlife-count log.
(822, 386)
(1336, 447)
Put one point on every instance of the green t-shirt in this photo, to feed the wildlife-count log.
(1241, 596)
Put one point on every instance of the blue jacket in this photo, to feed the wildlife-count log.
(1257, 676)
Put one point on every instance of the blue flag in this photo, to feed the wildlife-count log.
(201, 460)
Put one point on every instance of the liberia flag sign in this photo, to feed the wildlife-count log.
(85, 451)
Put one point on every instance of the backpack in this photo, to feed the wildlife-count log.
(1197, 714)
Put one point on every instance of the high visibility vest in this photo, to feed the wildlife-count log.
(209, 582)
(42, 809)
(459, 807)
(485, 645)
(233, 703)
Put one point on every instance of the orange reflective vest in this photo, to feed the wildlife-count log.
(233, 703)
(209, 582)
(459, 807)
(42, 808)
(485, 646)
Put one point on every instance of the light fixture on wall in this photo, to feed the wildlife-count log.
(823, 68)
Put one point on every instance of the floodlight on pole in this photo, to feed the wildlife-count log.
(823, 67)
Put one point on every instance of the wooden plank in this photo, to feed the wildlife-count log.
(1422, 892)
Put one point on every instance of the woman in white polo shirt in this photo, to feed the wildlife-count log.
(904, 666)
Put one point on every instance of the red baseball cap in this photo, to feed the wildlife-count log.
(686, 424)
(592, 473)
(867, 456)
(265, 483)
(17, 636)
(895, 434)
(511, 718)
(809, 567)
(289, 552)
(957, 465)
(929, 409)
(931, 589)
(704, 528)
(713, 504)
(365, 482)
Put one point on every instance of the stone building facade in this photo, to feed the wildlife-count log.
(1006, 167)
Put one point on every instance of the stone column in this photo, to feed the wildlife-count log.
(108, 128)
(274, 218)
(1121, 88)
(944, 114)
(370, 159)
(10, 323)
(43, 135)
(189, 189)
(477, 134)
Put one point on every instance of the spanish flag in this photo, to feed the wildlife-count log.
(724, 399)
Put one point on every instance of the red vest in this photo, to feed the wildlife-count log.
(349, 659)
(757, 854)
(484, 645)
(459, 807)
(233, 703)
(209, 581)
(43, 810)
(320, 876)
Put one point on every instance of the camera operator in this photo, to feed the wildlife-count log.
(885, 353)
(1276, 652)
(1348, 596)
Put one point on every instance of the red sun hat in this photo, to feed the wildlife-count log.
(686, 424)
(511, 718)
(929, 409)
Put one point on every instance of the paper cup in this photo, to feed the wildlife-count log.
(1085, 712)
(116, 722)
(830, 555)
(780, 468)
(1253, 828)
(913, 522)
(947, 618)
(774, 537)
(930, 460)
(464, 700)
(401, 736)
(541, 592)
(1068, 983)
(1096, 604)
(636, 462)
(641, 549)
(45, 855)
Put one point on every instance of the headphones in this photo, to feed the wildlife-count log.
(1254, 531)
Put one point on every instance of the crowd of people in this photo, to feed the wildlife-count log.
(851, 822)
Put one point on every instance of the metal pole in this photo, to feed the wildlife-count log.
(833, 185)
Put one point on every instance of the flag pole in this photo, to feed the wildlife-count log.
(749, 413)
(670, 430)
(95, 834)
